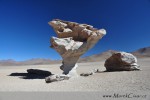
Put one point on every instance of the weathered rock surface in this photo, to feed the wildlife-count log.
(39, 72)
(121, 61)
(73, 40)
(79, 32)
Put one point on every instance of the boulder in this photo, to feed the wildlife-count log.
(121, 61)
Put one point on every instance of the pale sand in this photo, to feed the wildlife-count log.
(105, 81)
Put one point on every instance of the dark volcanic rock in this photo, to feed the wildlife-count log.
(39, 72)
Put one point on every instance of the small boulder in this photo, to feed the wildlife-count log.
(121, 61)
(91, 72)
(86, 74)
(55, 77)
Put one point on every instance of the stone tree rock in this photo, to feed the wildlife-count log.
(121, 61)
(72, 41)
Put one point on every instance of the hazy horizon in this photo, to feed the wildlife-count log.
(25, 33)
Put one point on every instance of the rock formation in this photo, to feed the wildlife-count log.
(121, 61)
(72, 41)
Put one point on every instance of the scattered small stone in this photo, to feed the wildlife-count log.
(91, 73)
(86, 74)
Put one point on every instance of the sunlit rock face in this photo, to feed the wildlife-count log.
(72, 41)
(122, 61)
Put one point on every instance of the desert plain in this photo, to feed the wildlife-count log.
(16, 78)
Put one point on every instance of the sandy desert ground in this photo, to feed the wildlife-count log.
(104, 81)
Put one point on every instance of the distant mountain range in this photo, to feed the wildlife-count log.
(141, 53)
(97, 57)
(37, 61)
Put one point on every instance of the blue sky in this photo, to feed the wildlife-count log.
(25, 33)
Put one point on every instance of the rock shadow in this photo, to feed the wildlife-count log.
(28, 76)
